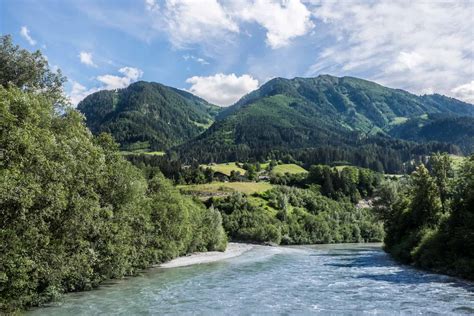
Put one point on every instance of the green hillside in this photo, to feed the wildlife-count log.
(288, 168)
(147, 115)
(287, 115)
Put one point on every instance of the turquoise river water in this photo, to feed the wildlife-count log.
(349, 279)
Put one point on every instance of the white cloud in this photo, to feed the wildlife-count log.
(222, 89)
(200, 60)
(283, 20)
(25, 33)
(109, 82)
(112, 82)
(151, 5)
(407, 61)
(465, 92)
(210, 22)
(79, 92)
(191, 21)
(86, 59)
(414, 45)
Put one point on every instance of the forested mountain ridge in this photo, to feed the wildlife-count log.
(147, 115)
(300, 113)
(361, 104)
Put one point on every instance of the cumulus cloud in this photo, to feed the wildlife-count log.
(112, 82)
(465, 92)
(25, 33)
(86, 59)
(222, 89)
(414, 45)
(151, 5)
(79, 92)
(109, 82)
(208, 22)
(190, 21)
(283, 20)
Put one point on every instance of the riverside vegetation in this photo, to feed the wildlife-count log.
(429, 219)
(75, 210)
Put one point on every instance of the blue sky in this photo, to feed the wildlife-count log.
(221, 50)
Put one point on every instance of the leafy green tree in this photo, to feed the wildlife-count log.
(73, 212)
(419, 232)
(425, 203)
(29, 71)
(442, 172)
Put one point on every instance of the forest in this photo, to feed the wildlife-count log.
(73, 211)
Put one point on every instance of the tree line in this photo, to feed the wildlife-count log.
(377, 153)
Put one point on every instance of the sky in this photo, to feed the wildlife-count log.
(222, 49)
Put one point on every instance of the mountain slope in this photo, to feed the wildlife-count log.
(359, 104)
(312, 112)
(457, 130)
(148, 115)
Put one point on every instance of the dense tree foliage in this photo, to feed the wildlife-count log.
(378, 153)
(73, 212)
(147, 115)
(28, 71)
(429, 220)
(354, 183)
(289, 215)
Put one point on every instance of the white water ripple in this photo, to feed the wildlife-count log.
(336, 279)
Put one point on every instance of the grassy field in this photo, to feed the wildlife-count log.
(143, 152)
(225, 168)
(457, 161)
(224, 188)
(288, 168)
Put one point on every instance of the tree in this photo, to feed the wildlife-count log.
(29, 71)
(442, 171)
(425, 203)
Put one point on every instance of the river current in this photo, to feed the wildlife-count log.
(348, 279)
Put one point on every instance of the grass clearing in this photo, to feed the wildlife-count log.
(288, 168)
(224, 188)
(457, 161)
(143, 152)
(225, 168)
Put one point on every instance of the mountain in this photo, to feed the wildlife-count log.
(323, 111)
(457, 130)
(355, 103)
(148, 115)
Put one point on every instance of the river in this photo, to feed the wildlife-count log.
(326, 279)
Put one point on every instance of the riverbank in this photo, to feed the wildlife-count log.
(232, 250)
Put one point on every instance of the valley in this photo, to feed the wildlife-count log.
(328, 185)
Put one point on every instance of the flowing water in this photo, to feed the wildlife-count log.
(330, 279)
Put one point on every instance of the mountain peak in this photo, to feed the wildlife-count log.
(148, 115)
